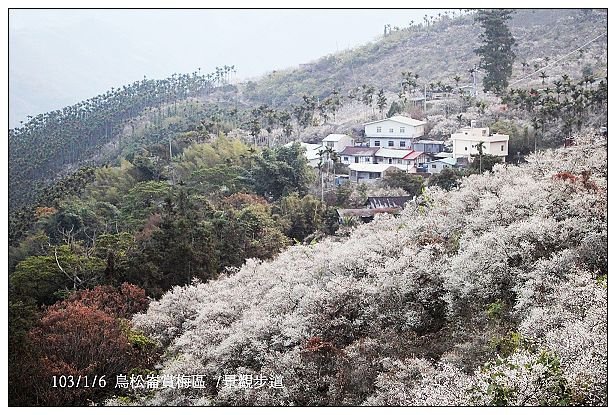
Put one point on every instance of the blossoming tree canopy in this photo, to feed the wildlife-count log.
(491, 294)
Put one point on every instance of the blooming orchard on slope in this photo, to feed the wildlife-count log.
(493, 293)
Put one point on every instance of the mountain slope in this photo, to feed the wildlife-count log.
(439, 52)
(492, 294)
(53, 144)
(60, 141)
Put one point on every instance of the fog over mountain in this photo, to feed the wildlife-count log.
(58, 57)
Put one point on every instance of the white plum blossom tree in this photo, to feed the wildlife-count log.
(490, 294)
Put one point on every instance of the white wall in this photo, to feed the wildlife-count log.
(467, 147)
(314, 163)
(362, 176)
(436, 167)
(463, 146)
(384, 142)
(495, 148)
(387, 125)
(394, 160)
(340, 145)
(360, 159)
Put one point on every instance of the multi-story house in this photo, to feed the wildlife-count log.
(466, 142)
(395, 132)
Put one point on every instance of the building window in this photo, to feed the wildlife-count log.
(346, 158)
(465, 148)
(502, 148)
(401, 129)
(402, 143)
(391, 130)
(378, 129)
(390, 143)
(377, 143)
(434, 166)
(356, 159)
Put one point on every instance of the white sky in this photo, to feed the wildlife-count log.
(58, 57)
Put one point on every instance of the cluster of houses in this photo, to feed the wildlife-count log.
(397, 143)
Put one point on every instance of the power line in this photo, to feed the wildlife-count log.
(558, 60)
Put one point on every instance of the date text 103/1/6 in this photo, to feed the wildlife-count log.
(70, 381)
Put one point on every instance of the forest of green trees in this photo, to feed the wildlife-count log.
(130, 226)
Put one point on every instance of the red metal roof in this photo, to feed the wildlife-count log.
(413, 155)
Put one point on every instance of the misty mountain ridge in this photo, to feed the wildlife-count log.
(436, 50)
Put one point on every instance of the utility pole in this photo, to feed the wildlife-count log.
(321, 184)
(170, 155)
(425, 96)
(170, 166)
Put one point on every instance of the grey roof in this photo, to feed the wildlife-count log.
(336, 137)
(365, 213)
(359, 151)
(400, 119)
(387, 202)
(449, 160)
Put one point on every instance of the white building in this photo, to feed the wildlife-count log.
(358, 155)
(394, 132)
(363, 172)
(408, 160)
(391, 155)
(466, 140)
(312, 152)
(437, 166)
(338, 141)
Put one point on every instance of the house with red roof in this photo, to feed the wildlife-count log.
(410, 160)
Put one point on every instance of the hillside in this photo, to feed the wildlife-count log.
(491, 294)
(441, 51)
(170, 242)
(75, 135)
(121, 121)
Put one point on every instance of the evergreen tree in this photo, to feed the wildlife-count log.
(395, 109)
(496, 52)
(381, 101)
(447, 179)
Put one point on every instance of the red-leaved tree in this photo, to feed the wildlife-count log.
(88, 335)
